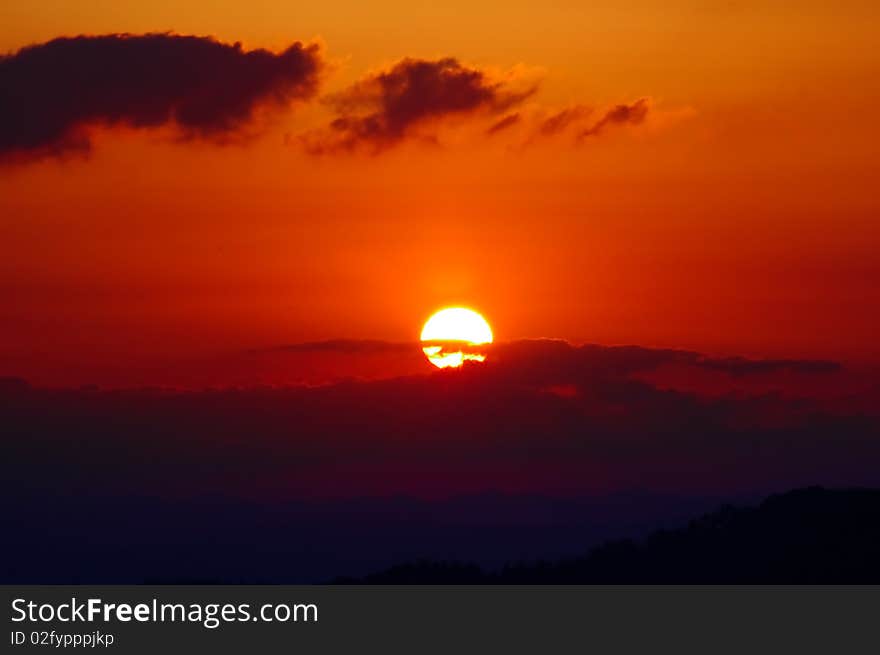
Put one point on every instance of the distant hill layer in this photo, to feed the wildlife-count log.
(812, 535)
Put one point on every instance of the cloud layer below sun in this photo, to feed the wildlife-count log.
(53, 94)
(538, 416)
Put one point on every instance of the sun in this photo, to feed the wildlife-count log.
(455, 335)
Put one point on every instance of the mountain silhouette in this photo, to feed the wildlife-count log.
(805, 536)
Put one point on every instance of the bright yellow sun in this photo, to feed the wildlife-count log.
(455, 335)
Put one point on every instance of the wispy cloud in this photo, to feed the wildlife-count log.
(385, 108)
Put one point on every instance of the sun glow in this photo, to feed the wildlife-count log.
(455, 335)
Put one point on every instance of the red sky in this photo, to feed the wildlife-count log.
(738, 215)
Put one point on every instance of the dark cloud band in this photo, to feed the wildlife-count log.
(208, 89)
(382, 109)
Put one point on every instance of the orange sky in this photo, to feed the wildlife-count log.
(741, 217)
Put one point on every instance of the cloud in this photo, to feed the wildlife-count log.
(496, 426)
(631, 114)
(559, 121)
(577, 118)
(552, 361)
(51, 92)
(740, 366)
(384, 108)
(508, 121)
